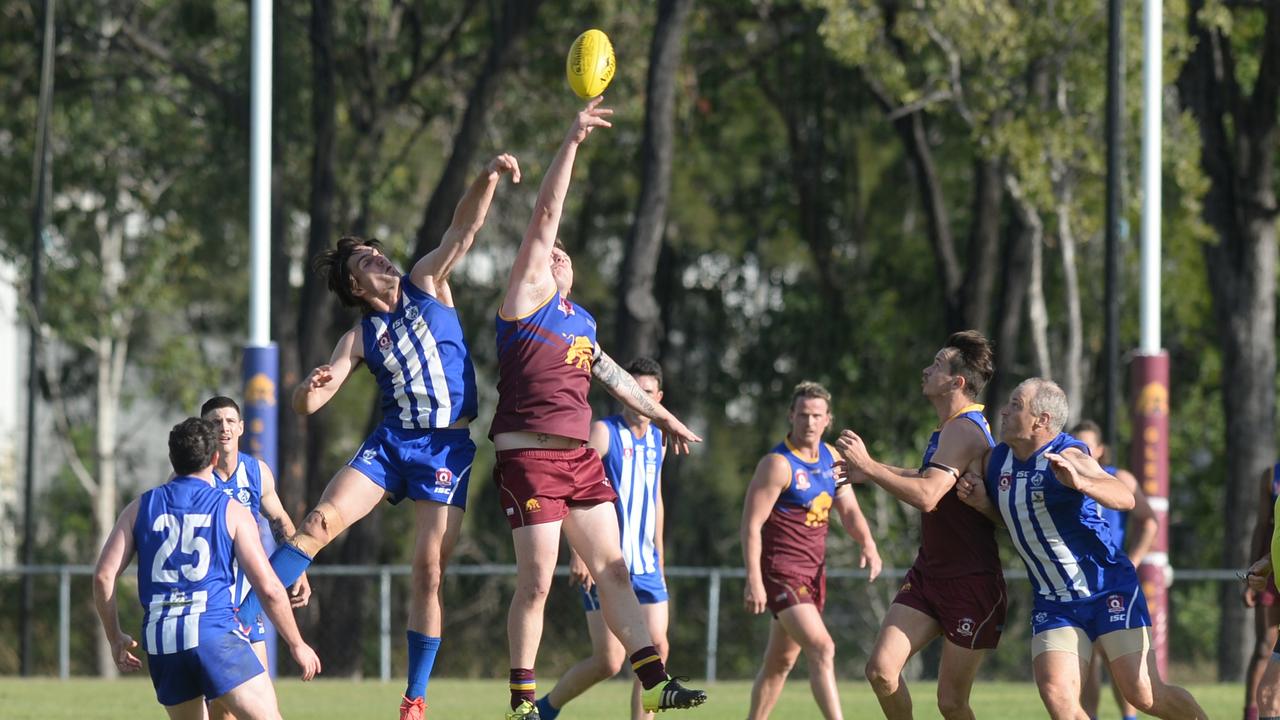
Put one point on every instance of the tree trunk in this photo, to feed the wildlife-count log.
(1037, 312)
(1240, 205)
(639, 319)
(1073, 362)
(515, 18)
(984, 244)
(1013, 293)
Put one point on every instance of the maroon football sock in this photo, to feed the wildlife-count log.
(648, 667)
(522, 686)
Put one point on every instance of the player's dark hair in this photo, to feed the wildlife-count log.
(973, 360)
(1087, 426)
(332, 264)
(217, 402)
(646, 366)
(808, 390)
(192, 445)
(1104, 455)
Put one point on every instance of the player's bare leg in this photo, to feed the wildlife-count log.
(956, 673)
(1265, 620)
(593, 532)
(348, 497)
(253, 699)
(438, 526)
(1091, 687)
(218, 709)
(607, 658)
(1269, 690)
(1058, 677)
(656, 618)
(804, 624)
(1135, 675)
(903, 632)
(189, 710)
(537, 547)
(438, 529)
(779, 657)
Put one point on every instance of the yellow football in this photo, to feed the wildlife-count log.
(590, 64)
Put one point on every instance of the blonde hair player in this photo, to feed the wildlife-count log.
(784, 547)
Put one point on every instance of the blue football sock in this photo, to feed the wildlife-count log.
(422, 657)
(1130, 717)
(546, 710)
(289, 563)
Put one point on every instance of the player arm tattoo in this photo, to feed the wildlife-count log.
(624, 387)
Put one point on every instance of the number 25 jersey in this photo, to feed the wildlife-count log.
(185, 558)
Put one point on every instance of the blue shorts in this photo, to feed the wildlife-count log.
(219, 664)
(257, 630)
(418, 464)
(651, 589)
(1119, 609)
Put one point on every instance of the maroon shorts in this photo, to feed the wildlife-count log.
(970, 608)
(539, 486)
(784, 590)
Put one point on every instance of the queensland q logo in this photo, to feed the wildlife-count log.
(1115, 603)
(260, 390)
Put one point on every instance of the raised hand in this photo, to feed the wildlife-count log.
(505, 163)
(319, 377)
(854, 451)
(590, 118)
(1064, 470)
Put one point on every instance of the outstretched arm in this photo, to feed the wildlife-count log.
(115, 557)
(622, 386)
(771, 478)
(531, 280)
(1078, 470)
(319, 387)
(468, 218)
(958, 446)
(855, 523)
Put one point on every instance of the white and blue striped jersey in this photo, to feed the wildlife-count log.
(245, 487)
(421, 362)
(184, 565)
(634, 468)
(1059, 532)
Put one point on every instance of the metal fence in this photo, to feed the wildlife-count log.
(713, 578)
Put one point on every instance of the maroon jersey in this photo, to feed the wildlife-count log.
(544, 370)
(955, 539)
(794, 535)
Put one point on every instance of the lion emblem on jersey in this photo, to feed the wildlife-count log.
(819, 510)
(580, 353)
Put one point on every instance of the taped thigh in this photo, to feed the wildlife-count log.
(1068, 638)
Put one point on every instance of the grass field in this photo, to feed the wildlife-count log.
(486, 700)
